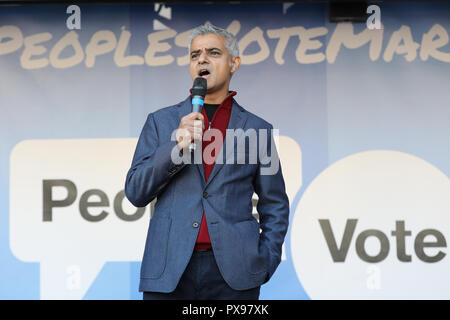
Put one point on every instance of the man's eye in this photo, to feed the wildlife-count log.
(194, 56)
(215, 53)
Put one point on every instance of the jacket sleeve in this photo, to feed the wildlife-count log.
(273, 204)
(152, 167)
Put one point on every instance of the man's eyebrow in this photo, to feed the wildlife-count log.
(207, 49)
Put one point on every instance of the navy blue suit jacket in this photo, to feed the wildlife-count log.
(245, 256)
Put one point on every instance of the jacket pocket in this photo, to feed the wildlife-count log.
(252, 255)
(155, 253)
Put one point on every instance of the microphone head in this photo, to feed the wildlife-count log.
(199, 87)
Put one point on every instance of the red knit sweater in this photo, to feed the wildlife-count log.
(219, 121)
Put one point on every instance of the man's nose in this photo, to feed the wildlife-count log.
(202, 57)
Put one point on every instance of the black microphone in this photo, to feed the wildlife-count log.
(198, 97)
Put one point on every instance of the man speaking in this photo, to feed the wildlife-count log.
(203, 242)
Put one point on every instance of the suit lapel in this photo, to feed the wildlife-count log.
(238, 118)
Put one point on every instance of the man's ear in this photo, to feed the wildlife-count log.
(235, 63)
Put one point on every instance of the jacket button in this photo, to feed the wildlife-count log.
(195, 224)
(205, 195)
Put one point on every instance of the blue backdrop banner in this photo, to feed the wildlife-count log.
(362, 113)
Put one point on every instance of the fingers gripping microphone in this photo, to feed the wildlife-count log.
(198, 96)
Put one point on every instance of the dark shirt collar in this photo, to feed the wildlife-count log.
(227, 102)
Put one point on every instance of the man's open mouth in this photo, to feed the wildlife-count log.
(203, 72)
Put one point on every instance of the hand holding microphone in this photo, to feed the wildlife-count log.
(191, 126)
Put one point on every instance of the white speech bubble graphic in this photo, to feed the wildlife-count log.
(290, 155)
(71, 249)
(373, 192)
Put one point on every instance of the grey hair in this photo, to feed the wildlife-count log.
(230, 39)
